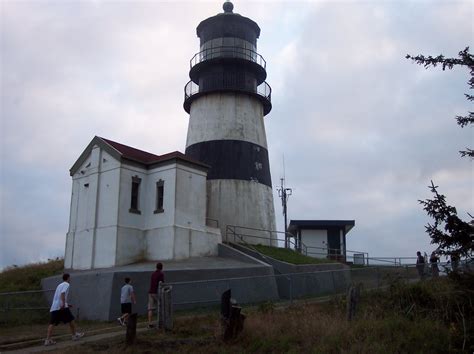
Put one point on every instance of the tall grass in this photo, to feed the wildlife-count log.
(419, 318)
(29, 277)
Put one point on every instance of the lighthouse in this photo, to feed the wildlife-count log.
(227, 99)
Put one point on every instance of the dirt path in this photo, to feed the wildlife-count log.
(64, 341)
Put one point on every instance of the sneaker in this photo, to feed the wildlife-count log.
(120, 321)
(78, 335)
(49, 342)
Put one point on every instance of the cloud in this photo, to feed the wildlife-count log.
(362, 129)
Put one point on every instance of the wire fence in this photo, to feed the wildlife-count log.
(25, 306)
(240, 234)
(33, 306)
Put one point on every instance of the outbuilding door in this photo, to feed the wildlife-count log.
(334, 243)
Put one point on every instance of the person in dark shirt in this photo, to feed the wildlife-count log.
(156, 278)
(434, 265)
(420, 264)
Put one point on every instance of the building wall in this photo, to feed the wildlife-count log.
(226, 116)
(131, 245)
(126, 218)
(93, 217)
(166, 218)
(242, 203)
(190, 198)
(315, 238)
(104, 233)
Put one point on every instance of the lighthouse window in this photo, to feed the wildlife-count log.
(135, 194)
(227, 47)
(160, 189)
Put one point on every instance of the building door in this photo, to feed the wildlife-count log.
(334, 243)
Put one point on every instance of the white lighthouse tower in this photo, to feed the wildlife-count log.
(227, 99)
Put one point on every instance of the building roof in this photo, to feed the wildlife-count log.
(347, 225)
(127, 153)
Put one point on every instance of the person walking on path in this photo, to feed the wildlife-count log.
(127, 295)
(434, 265)
(420, 264)
(156, 278)
(60, 312)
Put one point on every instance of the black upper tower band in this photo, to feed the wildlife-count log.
(228, 61)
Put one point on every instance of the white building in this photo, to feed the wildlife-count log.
(322, 238)
(129, 205)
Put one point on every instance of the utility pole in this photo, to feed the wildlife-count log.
(284, 193)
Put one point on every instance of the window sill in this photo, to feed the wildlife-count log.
(134, 211)
(158, 211)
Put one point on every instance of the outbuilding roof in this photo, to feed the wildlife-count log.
(124, 152)
(347, 225)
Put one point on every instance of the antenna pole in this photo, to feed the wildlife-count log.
(284, 194)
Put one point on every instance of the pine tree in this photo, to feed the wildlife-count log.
(465, 59)
(453, 236)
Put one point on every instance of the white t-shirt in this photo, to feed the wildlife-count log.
(126, 294)
(62, 288)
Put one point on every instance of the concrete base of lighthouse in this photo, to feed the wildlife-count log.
(246, 204)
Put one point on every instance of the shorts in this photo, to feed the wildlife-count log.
(152, 301)
(126, 307)
(62, 315)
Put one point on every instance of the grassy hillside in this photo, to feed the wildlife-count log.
(427, 317)
(29, 277)
(289, 256)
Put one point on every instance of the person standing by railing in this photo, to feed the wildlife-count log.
(434, 265)
(420, 264)
(155, 280)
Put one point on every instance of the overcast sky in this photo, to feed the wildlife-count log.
(362, 130)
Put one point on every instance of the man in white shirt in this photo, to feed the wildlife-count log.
(60, 311)
(127, 295)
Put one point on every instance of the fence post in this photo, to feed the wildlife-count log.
(159, 313)
(353, 296)
(131, 333)
(166, 308)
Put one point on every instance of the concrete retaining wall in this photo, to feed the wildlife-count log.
(296, 281)
(96, 294)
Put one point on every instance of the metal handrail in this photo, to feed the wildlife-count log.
(263, 89)
(232, 228)
(227, 52)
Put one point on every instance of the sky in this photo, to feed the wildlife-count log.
(357, 130)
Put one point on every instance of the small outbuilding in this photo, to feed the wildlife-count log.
(321, 238)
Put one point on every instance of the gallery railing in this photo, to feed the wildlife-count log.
(228, 52)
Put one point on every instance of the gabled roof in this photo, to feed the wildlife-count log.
(126, 153)
(347, 225)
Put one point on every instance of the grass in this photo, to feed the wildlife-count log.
(379, 327)
(26, 278)
(433, 316)
(29, 277)
(288, 255)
